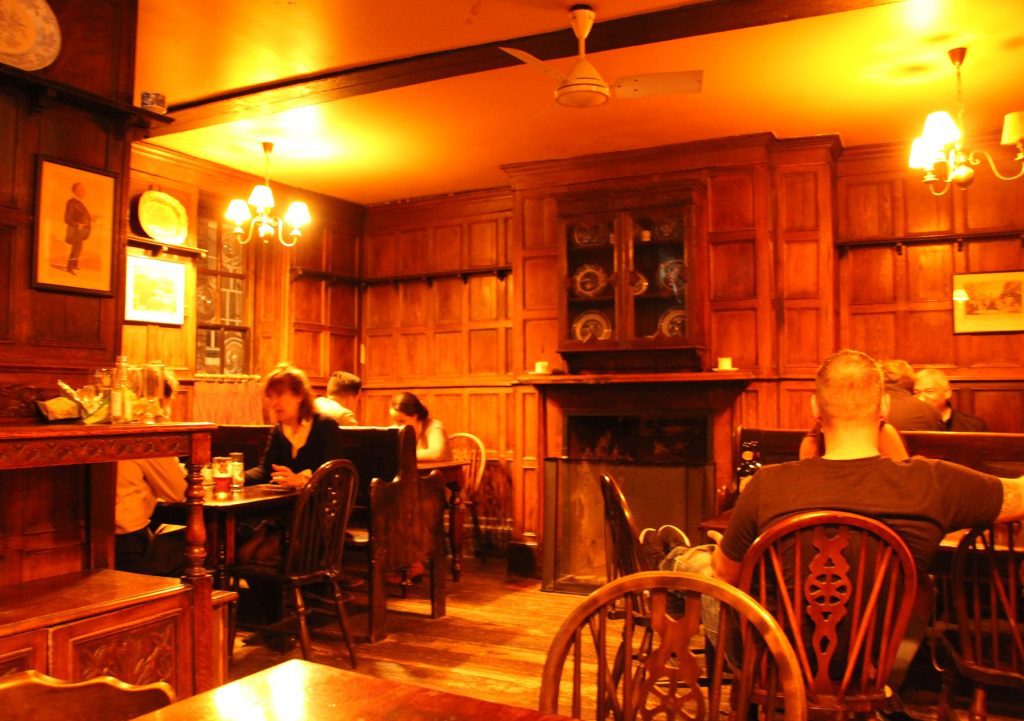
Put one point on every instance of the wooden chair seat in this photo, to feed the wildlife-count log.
(33, 696)
(630, 652)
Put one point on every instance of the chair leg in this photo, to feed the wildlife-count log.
(302, 612)
(978, 711)
(339, 604)
(945, 710)
(478, 536)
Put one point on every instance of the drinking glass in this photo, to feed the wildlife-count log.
(237, 471)
(221, 477)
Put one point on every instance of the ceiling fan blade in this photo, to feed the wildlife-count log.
(533, 62)
(638, 86)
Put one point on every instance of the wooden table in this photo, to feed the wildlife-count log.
(222, 515)
(454, 477)
(299, 689)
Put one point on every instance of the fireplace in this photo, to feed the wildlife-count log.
(666, 441)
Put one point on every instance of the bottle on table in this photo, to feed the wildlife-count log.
(121, 396)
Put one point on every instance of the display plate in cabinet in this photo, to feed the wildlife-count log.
(590, 234)
(638, 282)
(163, 217)
(672, 323)
(589, 280)
(672, 275)
(591, 325)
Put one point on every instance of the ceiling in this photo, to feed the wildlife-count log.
(869, 75)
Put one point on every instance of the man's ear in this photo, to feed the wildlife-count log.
(814, 408)
(885, 406)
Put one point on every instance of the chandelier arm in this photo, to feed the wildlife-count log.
(945, 188)
(975, 159)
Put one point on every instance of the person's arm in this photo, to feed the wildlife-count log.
(724, 567)
(262, 472)
(1012, 508)
(437, 444)
(890, 443)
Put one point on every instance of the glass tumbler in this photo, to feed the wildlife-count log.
(237, 471)
(221, 477)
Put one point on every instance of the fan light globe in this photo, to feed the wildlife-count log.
(582, 95)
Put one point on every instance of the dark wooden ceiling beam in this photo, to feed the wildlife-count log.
(681, 22)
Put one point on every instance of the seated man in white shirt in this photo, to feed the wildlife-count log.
(342, 390)
(140, 483)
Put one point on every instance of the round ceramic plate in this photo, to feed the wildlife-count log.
(163, 217)
(584, 234)
(638, 283)
(589, 280)
(672, 323)
(29, 34)
(591, 325)
(671, 275)
(666, 229)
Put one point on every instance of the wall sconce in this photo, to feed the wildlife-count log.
(264, 224)
(939, 150)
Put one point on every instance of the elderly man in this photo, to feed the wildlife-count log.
(920, 498)
(907, 413)
(932, 386)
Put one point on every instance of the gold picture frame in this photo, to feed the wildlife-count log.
(73, 248)
(988, 302)
(154, 291)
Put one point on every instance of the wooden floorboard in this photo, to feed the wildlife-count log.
(491, 644)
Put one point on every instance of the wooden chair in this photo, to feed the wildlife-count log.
(664, 675)
(33, 696)
(623, 553)
(842, 587)
(314, 550)
(467, 447)
(988, 648)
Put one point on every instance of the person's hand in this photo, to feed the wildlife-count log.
(715, 536)
(284, 476)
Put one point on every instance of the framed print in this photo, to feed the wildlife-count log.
(74, 240)
(988, 302)
(154, 291)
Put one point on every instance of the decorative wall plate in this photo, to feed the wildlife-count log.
(591, 325)
(672, 323)
(672, 275)
(162, 217)
(29, 34)
(638, 282)
(666, 229)
(589, 280)
(584, 234)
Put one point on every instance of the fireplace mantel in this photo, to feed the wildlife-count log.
(552, 379)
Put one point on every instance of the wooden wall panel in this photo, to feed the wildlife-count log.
(867, 208)
(11, 128)
(872, 276)
(795, 404)
(7, 291)
(872, 332)
(923, 212)
(993, 204)
(379, 253)
(993, 256)
(929, 270)
(798, 201)
(380, 355)
(801, 346)
(800, 263)
(540, 280)
(445, 252)
(730, 201)
(449, 353)
(1002, 353)
(306, 353)
(540, 343)
(413, 304)
(731, 335)
(381, 303)
(483, 298)
(484, 352)
(918, 344)
(415, 358)
(733, 270)
(448, 305)
(485, 243)
(343, 305)
(307, 300)
(1002, 409)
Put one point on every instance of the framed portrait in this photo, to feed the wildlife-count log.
(988, 302)
(73, 249)
(154, 291)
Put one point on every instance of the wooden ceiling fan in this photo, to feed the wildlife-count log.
(584, 87)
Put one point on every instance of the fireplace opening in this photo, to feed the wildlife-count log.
(661, 464)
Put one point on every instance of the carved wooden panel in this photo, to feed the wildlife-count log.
(19, 401)
(448, 294)
(140, 644)
(731, 201)
(798, 201)
(445, 251)
(872, 275)
(800, 263)
(872, 332)
(922, 211)
(929, 271)
(733, 270)
(22, 652)
(413, 303)
(540, 281)
(733, 333)
(70, 451)
(486, 243)
(867, 208)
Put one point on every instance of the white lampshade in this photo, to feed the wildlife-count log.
(960, 295)
(261, 198)
(297, 215)
(238, 211)
(1013, 128)
(940, 129)
(922, 154)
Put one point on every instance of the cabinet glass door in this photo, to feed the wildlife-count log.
(658, 277)
(591, 264)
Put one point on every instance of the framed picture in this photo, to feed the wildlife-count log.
(74, 240)
(154, 291)
(988, 302)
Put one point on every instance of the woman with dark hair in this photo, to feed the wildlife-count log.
(431, 439)
(301, 440)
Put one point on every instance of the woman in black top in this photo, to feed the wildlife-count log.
(301, 440)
